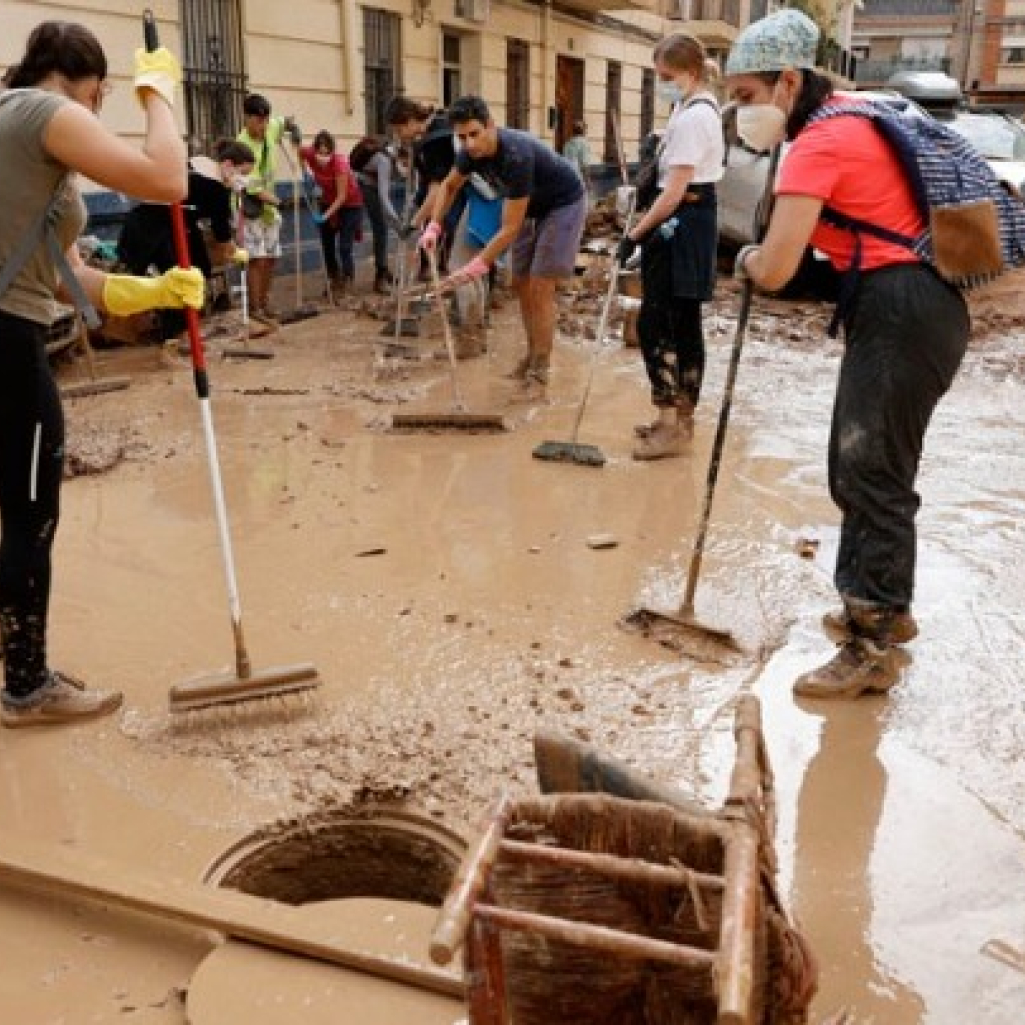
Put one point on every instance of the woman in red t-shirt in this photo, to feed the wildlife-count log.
(341, 207)
(905, 334)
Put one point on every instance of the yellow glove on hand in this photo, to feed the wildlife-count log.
(158, 70)
(124, 294)
(240, 256)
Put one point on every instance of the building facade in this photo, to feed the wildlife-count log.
(334, 63)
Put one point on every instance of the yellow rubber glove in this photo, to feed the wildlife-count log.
(240, 256)
(158, 70)
(124, 295)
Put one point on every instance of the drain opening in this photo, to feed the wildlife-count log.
(372, 852)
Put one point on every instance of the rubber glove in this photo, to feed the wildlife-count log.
(158, 70)
(429, 236)
(739, 264)
(318, 217)
(240, 256)
(124, 294)
(476, 268)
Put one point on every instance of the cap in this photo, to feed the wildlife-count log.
(786, 39)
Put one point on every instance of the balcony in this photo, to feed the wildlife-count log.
(874, 72)
(715, 22)
(607, 6)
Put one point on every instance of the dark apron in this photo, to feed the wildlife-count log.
(692, 246)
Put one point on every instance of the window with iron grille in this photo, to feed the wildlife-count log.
(647, 102)
(517, 83)
(613, 99)
(381, 69)
(213, 70)
(451, 67)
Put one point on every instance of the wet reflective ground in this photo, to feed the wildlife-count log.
(445, 589)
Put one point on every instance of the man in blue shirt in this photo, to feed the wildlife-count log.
(542, 220)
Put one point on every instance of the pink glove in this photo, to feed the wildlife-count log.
(476, 268)
(429, 237)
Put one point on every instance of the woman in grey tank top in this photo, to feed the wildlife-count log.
(49, 130)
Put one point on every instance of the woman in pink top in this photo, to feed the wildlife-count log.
(341, 207)
(905, 334)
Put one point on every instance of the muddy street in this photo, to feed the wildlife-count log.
(446, 590)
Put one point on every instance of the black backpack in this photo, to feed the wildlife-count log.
(361, 154)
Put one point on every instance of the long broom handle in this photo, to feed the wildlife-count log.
(202, 382)
(439, 298)
(240, 233)
(603, 324)
(295, 169)
(401, 278)
(694, 570)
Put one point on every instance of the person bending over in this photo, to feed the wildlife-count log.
(542, 221)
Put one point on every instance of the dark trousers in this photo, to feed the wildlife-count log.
(31, 467)
(670, 332)
(378, 226)
(905, 336)
(338, 239)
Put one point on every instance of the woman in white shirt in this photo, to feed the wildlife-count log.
(678, 237)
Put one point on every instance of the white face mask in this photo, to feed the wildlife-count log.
(670, 92)
(323, 159)
(761, 125)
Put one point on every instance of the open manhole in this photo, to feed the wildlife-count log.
(373, 877)
(371, 852)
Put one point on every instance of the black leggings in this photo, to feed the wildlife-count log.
(670, 331)
(31, 467)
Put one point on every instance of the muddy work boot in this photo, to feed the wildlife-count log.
(62, 699)
(838, 626)
(861, 666)
(664, 441)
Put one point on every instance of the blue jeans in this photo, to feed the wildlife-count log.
(342, 235)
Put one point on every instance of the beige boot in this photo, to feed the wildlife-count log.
(861, 666)
(664, 441)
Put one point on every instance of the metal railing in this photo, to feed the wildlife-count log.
(213, 72)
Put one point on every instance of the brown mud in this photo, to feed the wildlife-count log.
(445, 588)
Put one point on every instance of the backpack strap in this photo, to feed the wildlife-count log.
(851, 276)
(43, 231)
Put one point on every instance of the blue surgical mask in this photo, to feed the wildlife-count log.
(670, 92)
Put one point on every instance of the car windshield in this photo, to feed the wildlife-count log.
(995, 137)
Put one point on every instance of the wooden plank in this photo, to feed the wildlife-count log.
(55, 871)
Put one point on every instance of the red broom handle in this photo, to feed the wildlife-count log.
(181, 249)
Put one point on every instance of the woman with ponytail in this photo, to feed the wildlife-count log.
(678, 234)
(49, 130)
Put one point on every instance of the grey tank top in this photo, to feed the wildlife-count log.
(30, 178)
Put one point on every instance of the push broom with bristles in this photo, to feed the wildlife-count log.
(458, 418)
(226, 687)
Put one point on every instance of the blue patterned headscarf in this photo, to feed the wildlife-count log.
(786, 39)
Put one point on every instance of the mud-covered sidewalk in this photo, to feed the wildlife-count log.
(446, 589)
